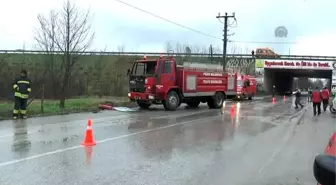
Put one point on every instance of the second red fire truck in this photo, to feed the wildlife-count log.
(162, 81)
(241, 86)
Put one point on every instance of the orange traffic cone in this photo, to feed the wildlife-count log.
(88, 139)
(273, 100)
(284, 97)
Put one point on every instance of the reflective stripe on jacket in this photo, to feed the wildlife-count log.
(22, 87)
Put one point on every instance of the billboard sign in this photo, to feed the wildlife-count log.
(294, 64)
(262, 64)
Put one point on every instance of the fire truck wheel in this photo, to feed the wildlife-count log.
(251, 97)
(144, 105)
(217, 101)
(172, 102)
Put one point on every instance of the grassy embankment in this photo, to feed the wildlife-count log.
(51, 107)
(110, 65)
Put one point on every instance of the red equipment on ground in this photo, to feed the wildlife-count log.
(106, 106)
(162, 81)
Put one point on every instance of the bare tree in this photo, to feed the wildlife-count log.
(196, 49)
(217, 50)
(121, 49)
(205, 51)
(45, 36)
(68, 32)
(234, 49)
(247, 50)
(168, 47)
(177, 53)
(178, 48)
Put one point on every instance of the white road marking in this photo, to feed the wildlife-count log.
(105, 140)
(107, 121)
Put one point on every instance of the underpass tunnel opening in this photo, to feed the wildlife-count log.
(283, 79)
(305, 83)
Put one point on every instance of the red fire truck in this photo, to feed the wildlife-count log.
(162, 81)
(241, 87)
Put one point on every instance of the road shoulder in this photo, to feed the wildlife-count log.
(294, 163)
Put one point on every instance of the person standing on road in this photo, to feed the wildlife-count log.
(309, 94)
(22, 89)
(325, 98)
(316, 99)
(298, 98)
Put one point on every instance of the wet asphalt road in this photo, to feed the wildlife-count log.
(257, 143)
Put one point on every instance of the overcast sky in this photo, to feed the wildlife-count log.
(310, 23)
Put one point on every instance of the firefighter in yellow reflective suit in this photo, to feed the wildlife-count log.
(22, 89)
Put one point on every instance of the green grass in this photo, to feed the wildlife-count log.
(51, 107)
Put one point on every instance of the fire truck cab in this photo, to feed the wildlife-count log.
(241, 87)
(162, 81)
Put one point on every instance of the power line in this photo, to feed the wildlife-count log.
(167, 20)
(197, 31)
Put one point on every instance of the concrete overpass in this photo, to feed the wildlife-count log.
(280, 72)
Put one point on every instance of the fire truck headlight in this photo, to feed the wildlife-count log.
(151, 97)
(129, 95)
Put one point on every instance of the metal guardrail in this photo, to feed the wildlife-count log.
(113, 53)
(284, 57)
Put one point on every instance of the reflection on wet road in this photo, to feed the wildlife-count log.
(188, 146)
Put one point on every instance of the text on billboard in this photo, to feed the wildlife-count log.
(298, 64)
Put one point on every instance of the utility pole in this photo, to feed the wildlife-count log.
(226, 17)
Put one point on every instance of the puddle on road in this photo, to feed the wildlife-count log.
(21, 143)
(229, 129)
(222, 134)
(226, 132)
